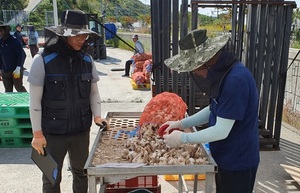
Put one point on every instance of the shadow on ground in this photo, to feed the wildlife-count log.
(270, 167)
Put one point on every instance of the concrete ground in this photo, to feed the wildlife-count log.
(18, 173)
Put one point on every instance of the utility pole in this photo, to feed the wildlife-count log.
(55, 15)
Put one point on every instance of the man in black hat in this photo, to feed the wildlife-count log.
(11, 60)
(18, 34)
(19, 37)
(64, 97)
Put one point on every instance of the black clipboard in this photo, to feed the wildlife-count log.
(46, 163)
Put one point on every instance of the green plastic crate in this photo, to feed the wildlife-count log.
(16, 112)
(14, 99)
(14, 122)
(15, 132)
(14, 104)
(15, 142)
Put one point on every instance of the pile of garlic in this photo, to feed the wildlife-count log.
(150, 149)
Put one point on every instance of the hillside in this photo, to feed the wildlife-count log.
(132, 8)
(123, 11)
(112, 8)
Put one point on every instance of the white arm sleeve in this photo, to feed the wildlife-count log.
(199, 118)
(35, 106)
(95, 100)
(214, 133)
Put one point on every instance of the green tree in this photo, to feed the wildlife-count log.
(295, 29)
(15, 5)
(127, 21)
(146, 19)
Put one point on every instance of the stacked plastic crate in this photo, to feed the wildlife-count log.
(143, 184)
(15, 125)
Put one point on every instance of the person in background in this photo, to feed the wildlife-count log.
(33, 41)
(18, 34)
(232, 115)
(64, 97)
(11, 60)
(138, 49)
(19, 37)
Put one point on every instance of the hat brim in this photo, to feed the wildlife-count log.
(69, 32)
(189, 60)
(4, 25)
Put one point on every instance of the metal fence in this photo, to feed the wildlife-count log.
(49, 18)
(13, 17)
(261, 34)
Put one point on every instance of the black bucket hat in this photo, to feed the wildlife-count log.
(19, 25)
(6, 27)
(73, 22)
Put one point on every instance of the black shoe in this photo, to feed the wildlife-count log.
(125, 75)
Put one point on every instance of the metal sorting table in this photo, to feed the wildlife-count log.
(103, 175)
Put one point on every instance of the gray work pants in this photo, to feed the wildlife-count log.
(77, 147)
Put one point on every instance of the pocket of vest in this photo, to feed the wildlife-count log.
(84, 83)
(54, 121)
(86, 117)
(55, 87)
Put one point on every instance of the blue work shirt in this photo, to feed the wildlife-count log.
(11, 54)
(238, 100)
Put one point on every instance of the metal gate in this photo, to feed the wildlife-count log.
(13, 17)
(261, 34)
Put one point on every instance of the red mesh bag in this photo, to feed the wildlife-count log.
(139, 64)
(138, 77)
(142, 57)
(163, 107)
(147, 68)
(137, 70)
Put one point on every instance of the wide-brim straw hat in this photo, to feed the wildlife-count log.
(73, 23)
(195, 50)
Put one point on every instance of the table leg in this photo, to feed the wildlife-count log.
(209, 181)
(92, 184)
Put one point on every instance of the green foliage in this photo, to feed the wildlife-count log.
(124, 46)
(124, 11)
(12, 5)
(115, 42)
(295, 36)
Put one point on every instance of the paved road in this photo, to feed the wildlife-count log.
(18, 174)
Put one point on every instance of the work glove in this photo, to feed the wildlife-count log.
(173, 139)
(100, 122)
(16, 72)
(38, 142)
(168, 127)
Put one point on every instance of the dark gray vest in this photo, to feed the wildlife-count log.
(66, 97)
